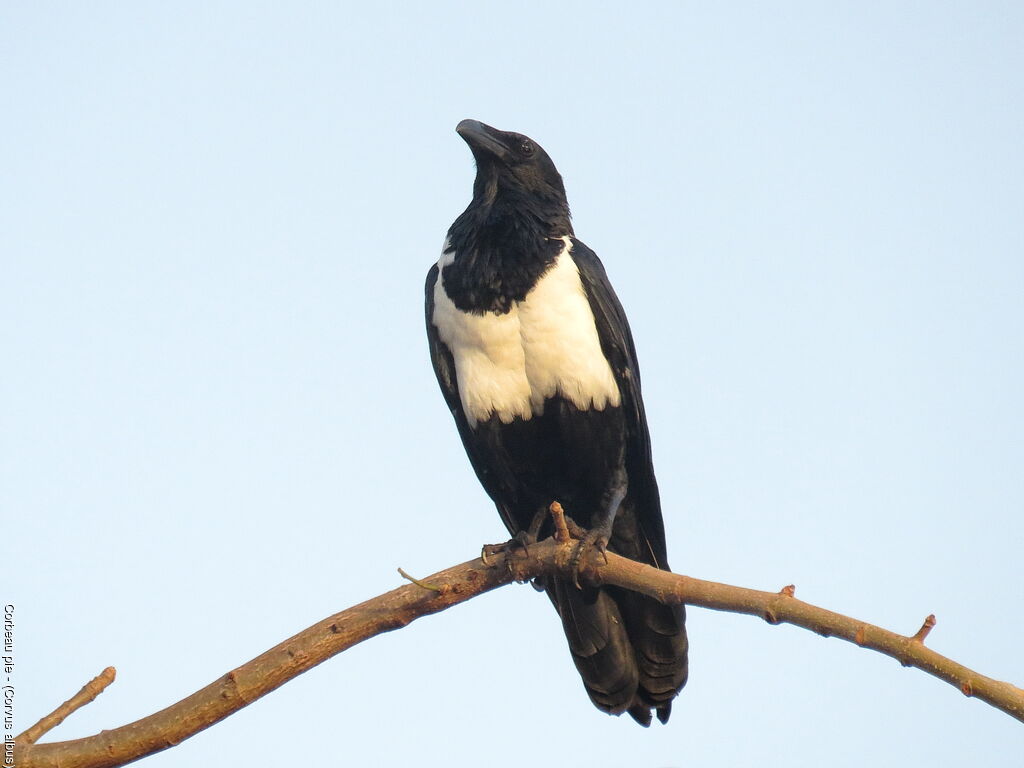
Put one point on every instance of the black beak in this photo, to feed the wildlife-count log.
(483, 139)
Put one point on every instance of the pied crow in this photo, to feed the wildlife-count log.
(536, 362)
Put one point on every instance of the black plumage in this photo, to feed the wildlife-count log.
(536, 362)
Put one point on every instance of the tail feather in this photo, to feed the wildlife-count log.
(599, 644)
(629, 649)
(658, 635)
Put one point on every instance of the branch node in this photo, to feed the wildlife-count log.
(966, 688)
(858, 637)
(769, 614)
(418, 583)
(926, 627)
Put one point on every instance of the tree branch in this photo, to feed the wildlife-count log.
(783, 608)
(401, 606)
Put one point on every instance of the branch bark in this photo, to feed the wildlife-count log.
(442, 590)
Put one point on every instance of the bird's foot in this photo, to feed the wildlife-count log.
(521, 541)
(595, 540)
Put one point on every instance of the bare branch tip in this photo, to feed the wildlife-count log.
(418, 583)
(88, 693)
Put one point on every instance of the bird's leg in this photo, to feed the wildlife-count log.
(520, 540)
(600, 534)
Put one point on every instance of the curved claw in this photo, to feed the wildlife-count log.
(487, 551)
(521, 540)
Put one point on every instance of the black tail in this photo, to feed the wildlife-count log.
(629, 649)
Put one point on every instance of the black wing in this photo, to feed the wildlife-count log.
(441, 356)
(617, 345)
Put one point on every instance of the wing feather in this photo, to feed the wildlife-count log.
(617, 345)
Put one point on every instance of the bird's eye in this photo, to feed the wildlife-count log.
(526, 148)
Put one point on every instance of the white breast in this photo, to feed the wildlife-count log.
(545, 345)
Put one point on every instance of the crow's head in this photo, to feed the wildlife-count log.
(516, 168)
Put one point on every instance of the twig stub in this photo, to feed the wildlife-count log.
(558, 518)
(926, 627)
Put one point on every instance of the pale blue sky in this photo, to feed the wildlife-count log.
(220, 424)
